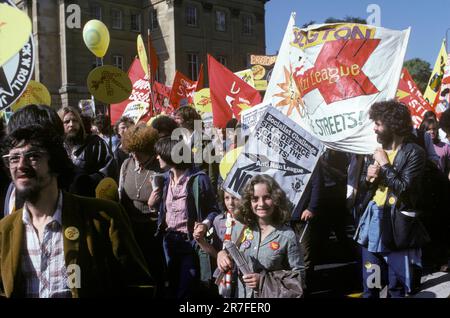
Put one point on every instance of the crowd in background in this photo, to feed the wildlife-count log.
(173, 218)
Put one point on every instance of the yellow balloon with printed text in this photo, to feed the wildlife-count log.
(96, 37)
(228, 161)
(15, 30)
(109, 84)
(202, 101)
(35, 93)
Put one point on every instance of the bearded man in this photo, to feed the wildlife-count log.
(91, 156)
(389, 231)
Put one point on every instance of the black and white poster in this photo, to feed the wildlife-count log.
(280, 148)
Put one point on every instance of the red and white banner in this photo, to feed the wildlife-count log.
(442, 101)
(339, 70)
(409, 94)
(140, 92)
(137, 104)
(229, 94)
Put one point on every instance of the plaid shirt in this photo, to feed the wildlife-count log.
(43, 265)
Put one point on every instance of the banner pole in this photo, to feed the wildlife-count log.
(150, 75)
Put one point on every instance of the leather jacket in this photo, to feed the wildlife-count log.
(403, 179)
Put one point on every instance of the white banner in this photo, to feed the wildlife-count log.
(135, 110)
(339, 71)
(280, 148)
(250, 117)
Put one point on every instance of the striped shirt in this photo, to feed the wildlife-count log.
(43, 265)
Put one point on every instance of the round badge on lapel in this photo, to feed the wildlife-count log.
(246, 244)
(72, 233)
(392, 200)
(274, 245)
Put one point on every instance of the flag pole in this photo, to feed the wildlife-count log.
(150, 75)
(108, 109)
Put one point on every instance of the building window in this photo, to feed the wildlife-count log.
(191, 16)
(136, 22)
(247, 25)
(116, 16)
(221, 21)
(153, 19)
(96, 12)
(193, 66)
(222, 60)
(118, 61)
(96, 62)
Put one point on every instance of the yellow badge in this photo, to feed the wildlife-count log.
(72, 233)
(392, 200)
(368, 265)
(250, 236)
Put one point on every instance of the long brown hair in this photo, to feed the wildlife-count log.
(281, 213)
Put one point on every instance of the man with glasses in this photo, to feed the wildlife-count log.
(58, 244)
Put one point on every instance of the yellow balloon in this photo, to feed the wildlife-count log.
(96, 37)
(107, 190)
(202, 100)
(35, 93)
(15, 30)
(142, 53)
(109, 84)
(228, 161)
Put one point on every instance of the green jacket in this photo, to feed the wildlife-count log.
(106, 252)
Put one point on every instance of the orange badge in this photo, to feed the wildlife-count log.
(274, 245)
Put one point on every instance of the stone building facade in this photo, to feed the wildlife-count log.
(182, 33)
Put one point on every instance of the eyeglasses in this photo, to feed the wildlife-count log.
(32, 157)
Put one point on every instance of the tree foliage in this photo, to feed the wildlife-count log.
(420, 71)
(347, 19)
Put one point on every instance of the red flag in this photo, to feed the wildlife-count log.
(140, 92)
(182, 91)
(410, 95)
(229, 94)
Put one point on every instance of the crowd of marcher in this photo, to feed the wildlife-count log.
(91, 210)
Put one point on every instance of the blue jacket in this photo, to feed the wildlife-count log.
(207, 201)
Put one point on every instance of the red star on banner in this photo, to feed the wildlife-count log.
(337, 72)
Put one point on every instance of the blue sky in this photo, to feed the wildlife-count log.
(429, 20)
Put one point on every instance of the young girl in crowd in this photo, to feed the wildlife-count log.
(268, 244)
(223, 229)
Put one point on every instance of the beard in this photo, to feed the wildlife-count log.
(28, 194)
(74, 138)
(385, 138)
(31, 192)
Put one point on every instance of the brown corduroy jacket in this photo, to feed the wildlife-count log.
(109, 259)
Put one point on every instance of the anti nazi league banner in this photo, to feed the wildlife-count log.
(343, 70)
(280, 148)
